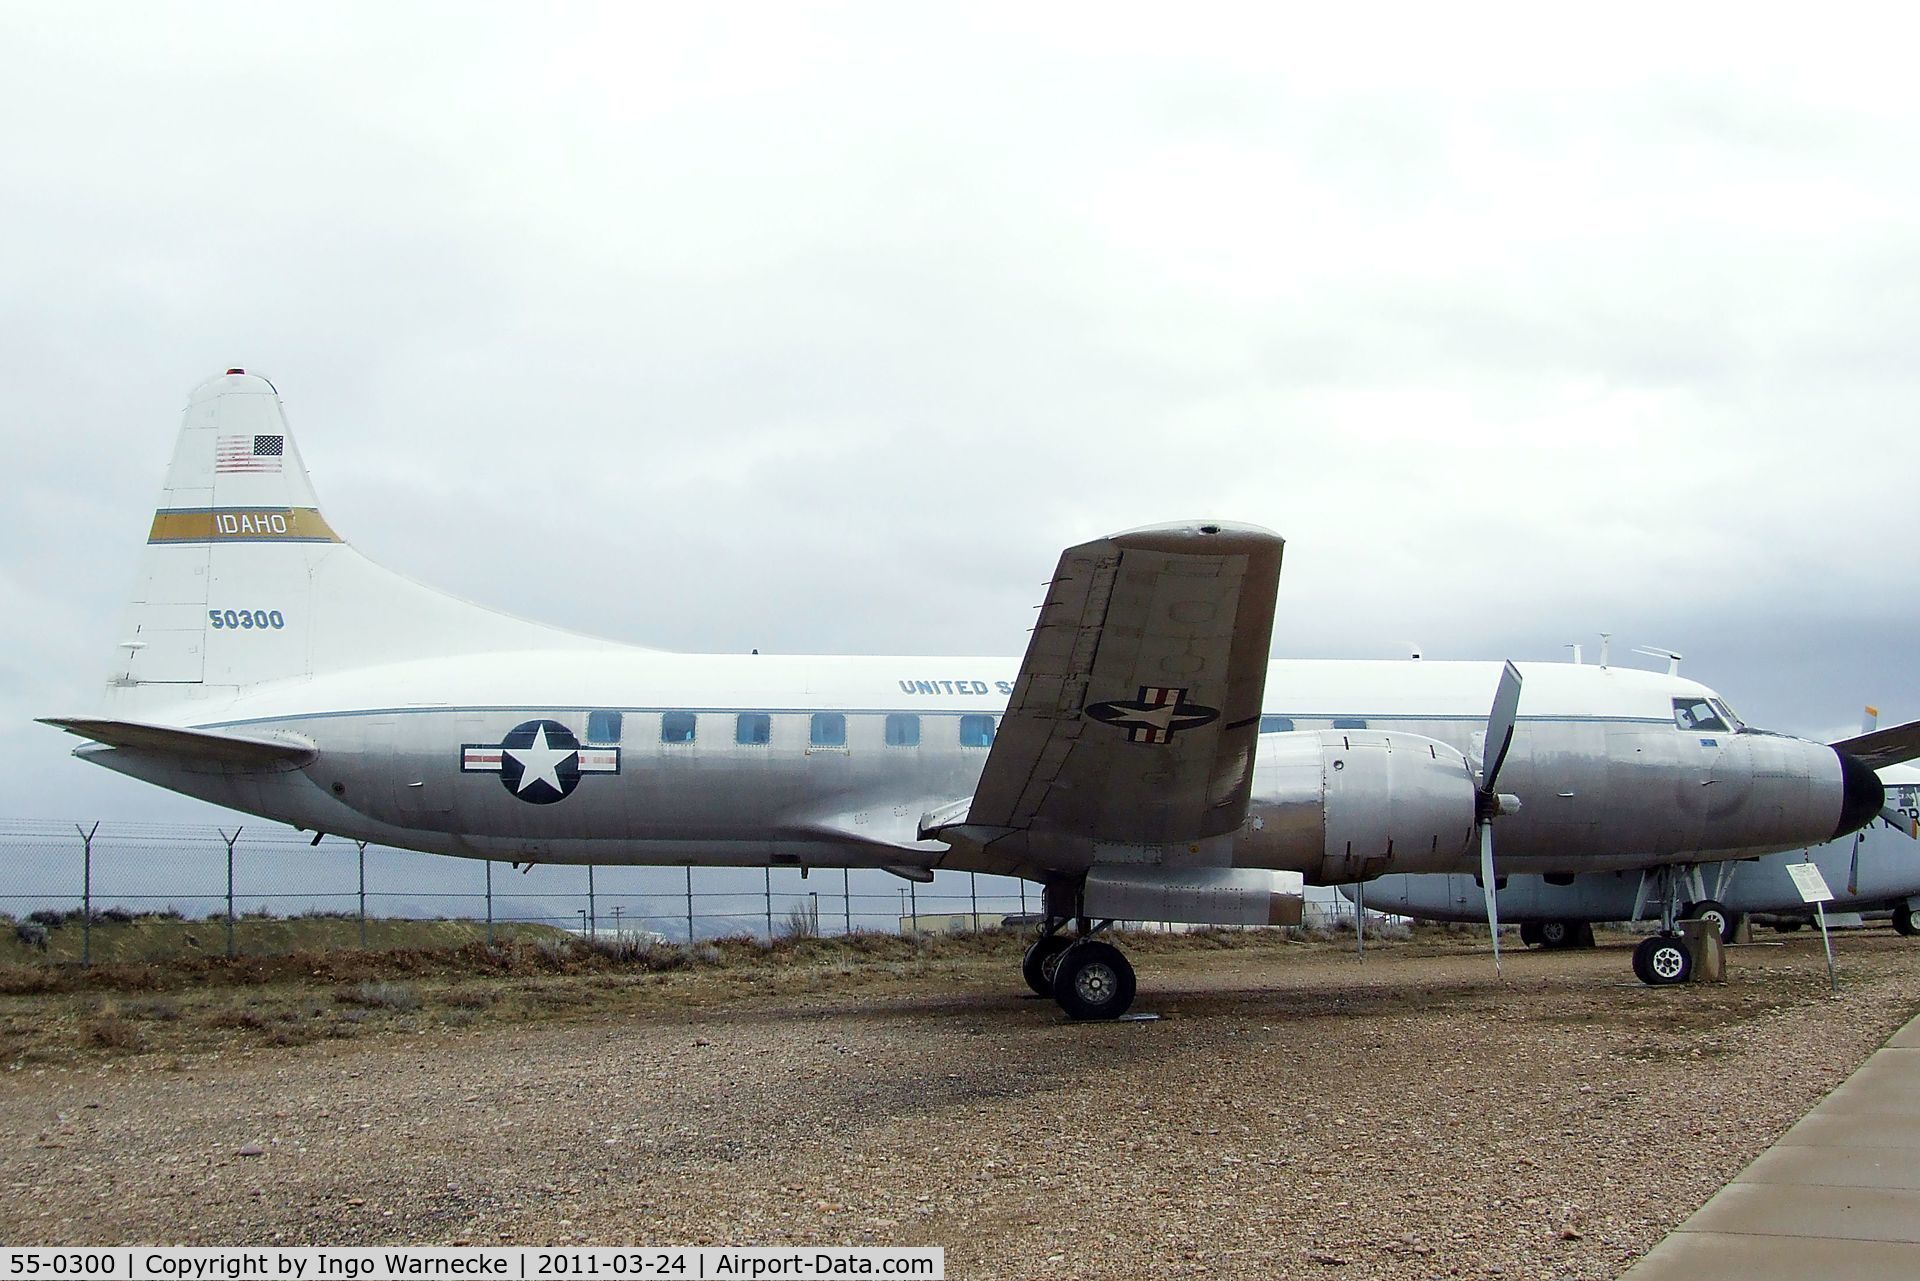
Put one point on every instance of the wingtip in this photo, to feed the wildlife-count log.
(1221, 536)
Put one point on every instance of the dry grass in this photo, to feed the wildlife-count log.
(190, 1004)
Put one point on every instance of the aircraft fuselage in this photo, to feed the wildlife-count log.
(422, 755)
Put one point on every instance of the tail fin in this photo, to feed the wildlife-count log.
(245, 582)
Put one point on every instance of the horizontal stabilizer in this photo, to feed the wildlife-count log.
(193, 744)
(1883, 747)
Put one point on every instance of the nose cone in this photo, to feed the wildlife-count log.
(1862, 798)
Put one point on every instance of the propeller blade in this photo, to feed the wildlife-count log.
(1900, 822)
(1506, 705)
(1853, 868)
(1486, 883)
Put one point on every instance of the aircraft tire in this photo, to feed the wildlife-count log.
(1662, 961)
(1530, 934)
(1559, 935)
(1093, 981)
(1708, 909)
(1906, 921)
(1038, 965)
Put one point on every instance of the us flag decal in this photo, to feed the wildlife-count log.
(248, 453)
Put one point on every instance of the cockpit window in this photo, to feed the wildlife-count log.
(1697, 714)
(1726, 713)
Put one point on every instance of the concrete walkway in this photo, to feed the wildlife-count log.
(1837, 1196)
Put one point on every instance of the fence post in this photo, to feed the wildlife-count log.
(593, 914)
(913, 896)
(363, 894)
(1023, 896)
(86, 891)
(973, 892)
(689, 905)
(489, 902)
(769, 904)
(846, 895)
(230, 840)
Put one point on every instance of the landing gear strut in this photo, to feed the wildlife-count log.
(1090, 978)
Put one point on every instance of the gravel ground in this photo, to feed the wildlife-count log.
(1295, 1112)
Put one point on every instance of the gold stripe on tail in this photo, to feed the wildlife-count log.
(241, 525)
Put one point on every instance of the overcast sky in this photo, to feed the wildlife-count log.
(833, 324)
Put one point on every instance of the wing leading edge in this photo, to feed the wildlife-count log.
(1134, 718)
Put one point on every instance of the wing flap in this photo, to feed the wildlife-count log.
(1880, 748)
(193, 744)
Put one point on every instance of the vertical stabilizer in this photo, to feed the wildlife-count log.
(244, 581)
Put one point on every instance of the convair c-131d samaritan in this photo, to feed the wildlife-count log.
(1145, 760)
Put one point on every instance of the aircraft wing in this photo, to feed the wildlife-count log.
(1880, 748)
(1137, 708)
(193, 744)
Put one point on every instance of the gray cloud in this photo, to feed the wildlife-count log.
(838, 323)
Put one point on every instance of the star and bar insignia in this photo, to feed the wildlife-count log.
(1156, 716)
(539, 761)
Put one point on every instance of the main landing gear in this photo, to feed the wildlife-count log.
(1554, 936)
(1090, 978)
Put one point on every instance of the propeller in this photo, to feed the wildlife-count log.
(1489, 804)
(1900, 822)
(1853, 867)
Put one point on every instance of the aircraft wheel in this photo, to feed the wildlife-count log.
(1662, 960)
(1712, 910)
(1557, 934)
(1041, 960)
(1530, 934)
(1093, 981)
(1906, 920)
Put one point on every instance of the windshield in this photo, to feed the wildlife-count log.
(1697, 714)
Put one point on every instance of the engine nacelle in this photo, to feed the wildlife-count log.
(1347, 805)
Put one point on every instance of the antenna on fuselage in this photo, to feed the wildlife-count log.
(1413, 651)
(1606, 648)
(1654, 651)
(1575, 647)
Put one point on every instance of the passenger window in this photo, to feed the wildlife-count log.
(976, 731)
(603, 727)
(903, 731)
(1276, 724)
(1349, 722)
(753, 728)
(677, 727)
(1697, 714)
(829, 730)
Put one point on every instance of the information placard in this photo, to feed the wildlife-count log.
(1812, 885)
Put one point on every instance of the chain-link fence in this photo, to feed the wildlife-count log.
(133, 891)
